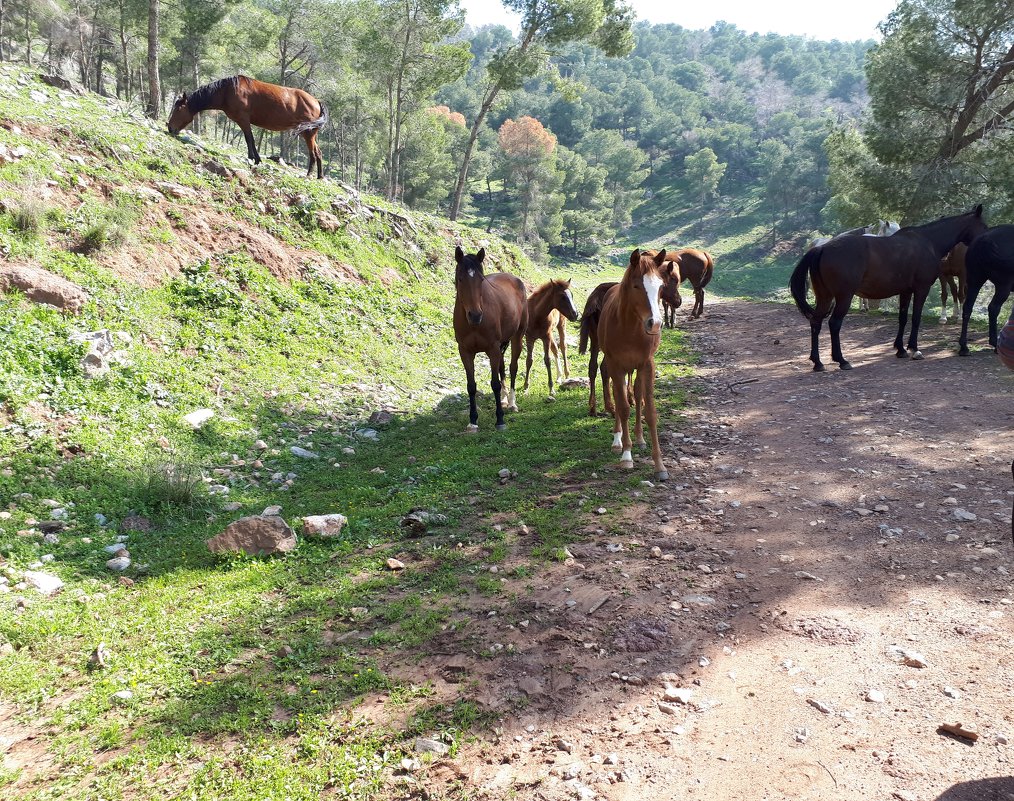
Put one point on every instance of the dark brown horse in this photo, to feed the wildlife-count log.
(629, 333)
(547, 306)
(697, 267)
(671, 298)
(906, 264)
(490, 313)
(248, 102)
(989, 258)
(590, 336)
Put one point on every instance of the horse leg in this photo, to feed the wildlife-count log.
(651, 417)
(999, 298)
(816, 321)
(561, 330)
(528, 362)
(308, 137)
(621, 425)
(899, 341)
(468, 360)
(607, 392)
(913, 338)
(639, 409)
(546, 348)
(975, 284)
(516, 344)
(834, 326)
(593, 368)
(959, 302)
(495, 384)
(251, 145)
(944, 281)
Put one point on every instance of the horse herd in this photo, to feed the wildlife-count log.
(905, 263)
(622, 320)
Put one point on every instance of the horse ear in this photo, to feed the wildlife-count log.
(481, 255)
(568, 282)
(660, 257)
(459, 256)
(635, 258)
(978, 210)
(183, 96)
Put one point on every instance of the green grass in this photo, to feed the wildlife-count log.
(242, 683)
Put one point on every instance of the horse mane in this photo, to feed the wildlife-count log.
(201, 98)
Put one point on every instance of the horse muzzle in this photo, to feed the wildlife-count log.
(652, 326)
(474, 317)
(171, 131)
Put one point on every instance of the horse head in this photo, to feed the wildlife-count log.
(645, 275)
(181, 116)
(468, 280)
(672, 277)
(563, 300)
(974, 225)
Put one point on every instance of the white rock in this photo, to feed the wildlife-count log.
(950, 692)
(424, 745)
(961, 514)
(122, 696)
(952, 537)
(820, 706)
(272, 511)
(118, 563)
(324, 526)
(680, 694)
(45, 583)
(198, 418)
(303, 453)
(875, 696)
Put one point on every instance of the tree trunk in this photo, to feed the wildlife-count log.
(154, 87)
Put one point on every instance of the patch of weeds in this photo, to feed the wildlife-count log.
(107, 226)
(487, 584)
(28, 214)
(165, 486)
(176, 218)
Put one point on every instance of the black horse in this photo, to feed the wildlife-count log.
(990, 258)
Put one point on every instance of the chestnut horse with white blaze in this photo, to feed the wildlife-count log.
(248, 102)
(547, 307)
(490, 313)
(629, 333)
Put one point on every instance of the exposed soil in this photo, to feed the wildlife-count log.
(805, 555)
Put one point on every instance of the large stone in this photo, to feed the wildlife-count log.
(257, 534)
(59, 82)
(324, 526)
(45, 583)
(42, 286)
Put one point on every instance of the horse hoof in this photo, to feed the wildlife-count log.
(627, 464)
(917, 356)
(818, 368)
(551, 399)
(501, 426)
(844, 365)
(964, 352)
(471, 429)
(642, 445)
(662, 475)
(902, 354)
(617, 449)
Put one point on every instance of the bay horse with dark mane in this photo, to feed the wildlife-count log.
(671, 298)
(590, 337)
(490, 313)
(248, 102)
(989, 258)
(697, 267)
(547, 307)
(629, 333)
(905, 264)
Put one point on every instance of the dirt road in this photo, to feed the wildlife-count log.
(834, 584)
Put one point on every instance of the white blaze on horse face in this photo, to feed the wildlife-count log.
(570, 300)
(471, 273)
(653, 286)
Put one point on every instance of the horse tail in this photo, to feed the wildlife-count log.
(709, 270)
(589, 321)
(797, 283)
(314, 125)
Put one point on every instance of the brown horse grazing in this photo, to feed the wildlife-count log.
(629, 333)
(490, 313)
(589, 336)
(671, 298)
(697, 267)
(906, 264)
(547, 306)
(248, 102)
(952, 269)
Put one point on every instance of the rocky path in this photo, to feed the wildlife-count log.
(830, 583)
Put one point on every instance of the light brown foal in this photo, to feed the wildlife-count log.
(547, 306)
(629, 333)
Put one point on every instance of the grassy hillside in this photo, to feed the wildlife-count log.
(293, 310)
